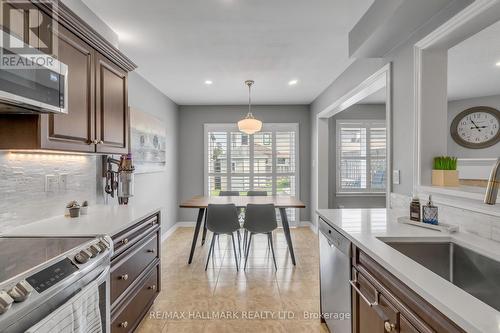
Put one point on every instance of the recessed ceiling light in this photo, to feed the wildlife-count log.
(293, 82)
(498, 64)
(208, 82)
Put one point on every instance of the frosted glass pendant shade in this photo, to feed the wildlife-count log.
(249, 125)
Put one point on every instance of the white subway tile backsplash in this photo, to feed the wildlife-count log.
(22, 185)
(483, 225)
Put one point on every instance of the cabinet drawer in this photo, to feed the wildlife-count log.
(131, 314)
(129, 237)
(134, 262)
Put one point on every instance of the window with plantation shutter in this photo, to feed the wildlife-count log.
(361, 156)
(266, 161)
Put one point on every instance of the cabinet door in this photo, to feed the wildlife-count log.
(373, 313)
(76, 130)
(406, 327)
(112, 119)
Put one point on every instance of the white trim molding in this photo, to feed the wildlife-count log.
(378, 80)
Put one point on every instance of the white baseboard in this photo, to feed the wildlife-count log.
(310, 225)
(184, 224)
(169, 232)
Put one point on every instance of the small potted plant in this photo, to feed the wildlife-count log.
(445, 171)
(84, 207)
(74, 208)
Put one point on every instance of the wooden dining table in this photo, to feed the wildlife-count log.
(280, 202)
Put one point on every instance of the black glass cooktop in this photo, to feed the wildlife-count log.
(20, 254)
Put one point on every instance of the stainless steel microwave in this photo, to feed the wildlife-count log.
(30, 81)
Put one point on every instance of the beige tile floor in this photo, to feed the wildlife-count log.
(221, 299)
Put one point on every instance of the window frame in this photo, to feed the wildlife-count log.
(368, 124)
(267, 127)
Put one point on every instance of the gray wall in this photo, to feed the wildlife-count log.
(158, 187)
(454, 108)
(191, 154)
(357, 111)
(402, 102)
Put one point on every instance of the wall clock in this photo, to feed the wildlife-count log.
(477, 127)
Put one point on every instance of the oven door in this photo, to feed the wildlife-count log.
(37, 312)
(30, 81)
(104, 300)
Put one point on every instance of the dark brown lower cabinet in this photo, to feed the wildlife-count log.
(135, 273)
(382, 303)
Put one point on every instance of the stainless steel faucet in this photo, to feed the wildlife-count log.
(490, 198)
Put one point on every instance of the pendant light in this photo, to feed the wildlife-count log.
(249, 125)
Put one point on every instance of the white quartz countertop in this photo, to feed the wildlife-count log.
(100, 220)
(364, 227)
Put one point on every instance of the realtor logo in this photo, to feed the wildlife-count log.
(27, 35)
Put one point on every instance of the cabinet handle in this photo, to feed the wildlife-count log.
(100, 142)
(367, 301)
(388, 326)
(124, 324)
(125, 241)
(151, 250)
(124, 277)
(153, 287)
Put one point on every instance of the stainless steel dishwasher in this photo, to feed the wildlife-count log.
(335, 273)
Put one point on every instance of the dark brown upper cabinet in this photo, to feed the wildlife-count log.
(97, 119)
(74, 131)
(112, 119)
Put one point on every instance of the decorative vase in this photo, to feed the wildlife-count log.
(445, 178)
(74, 211)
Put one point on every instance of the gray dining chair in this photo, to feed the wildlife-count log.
(240, 213)
(222, 220)
(260, 219)
(256, 194)
(221, 194)
(252, 194)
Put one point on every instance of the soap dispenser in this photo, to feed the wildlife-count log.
(430, 212)
(415, 209)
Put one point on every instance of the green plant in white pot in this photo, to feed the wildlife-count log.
(445, 171)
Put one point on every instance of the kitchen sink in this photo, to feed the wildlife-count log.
(472, 272)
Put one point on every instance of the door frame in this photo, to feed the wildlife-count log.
(375, 82)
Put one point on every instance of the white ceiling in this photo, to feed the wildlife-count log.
(180, 44)
(471, 65)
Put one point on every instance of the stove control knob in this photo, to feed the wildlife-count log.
(82, 257)
(20, 291)
(96, 248)
(5, 301)
(103, 246)
(92, 251)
